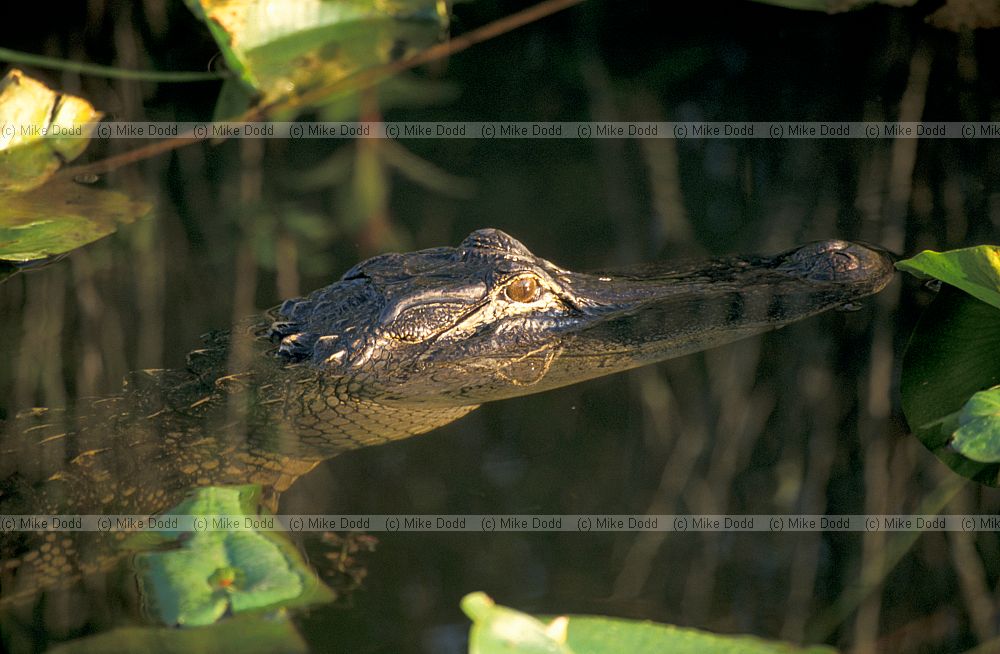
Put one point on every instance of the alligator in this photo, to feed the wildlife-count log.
(400, 345)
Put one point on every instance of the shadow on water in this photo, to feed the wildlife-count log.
(802, 420)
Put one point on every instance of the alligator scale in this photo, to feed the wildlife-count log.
(400, 345)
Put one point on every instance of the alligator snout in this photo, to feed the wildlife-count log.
(839, 262)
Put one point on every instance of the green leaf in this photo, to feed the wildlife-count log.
(215, 572)
(954, 352)
(497, 629)
(40, 219)
(280, 49)
(60, 216)
(978, 435)
(594, 635)
(243, 634)
(33, 117)
(975, 270)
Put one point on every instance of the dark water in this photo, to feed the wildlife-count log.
(804, 420)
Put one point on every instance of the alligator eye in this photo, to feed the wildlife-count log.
(523, 289)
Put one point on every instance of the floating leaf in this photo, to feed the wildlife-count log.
(40, 130)
(975, 270)
(497, 629)
(954, 353)
(594, 635)
(215, 572)
(283, 48)
(60, 217)
(978, 435)
(243, 634)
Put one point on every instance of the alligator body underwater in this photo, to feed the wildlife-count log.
(400, 345)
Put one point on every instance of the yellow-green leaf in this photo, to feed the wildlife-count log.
(60, 217)
(978, 434)
(498, 629)
(975, 270)
(282, 48)
(40, 130)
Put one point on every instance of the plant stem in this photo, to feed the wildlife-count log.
(98, 70)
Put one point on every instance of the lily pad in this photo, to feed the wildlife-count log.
(41, 130)
(244, 634)
(280, 49)
(213, 573)
(975, 270)
(978, 434)
(59, 217)
(498, 629)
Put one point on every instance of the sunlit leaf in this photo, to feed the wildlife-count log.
(975, 270)
(243, 634)
(497, 629)
(40, 218)
(978, 434)
(281, 48)
(217, 572)
(40, 130)
(59, 217)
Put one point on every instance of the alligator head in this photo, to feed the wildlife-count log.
(489, 320)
